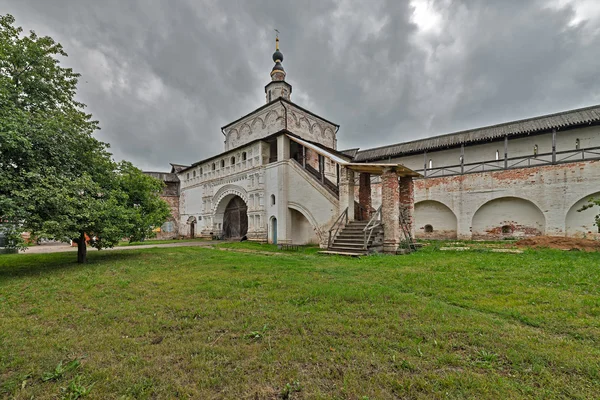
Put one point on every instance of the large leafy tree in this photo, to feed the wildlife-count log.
(56, 179)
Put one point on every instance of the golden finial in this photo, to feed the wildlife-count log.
(276, 40)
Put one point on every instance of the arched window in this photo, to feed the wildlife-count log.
(535, 150)
(214, 166)
(200, 171)
(577, 144)
(497, 155)
(430, 163)
(272, 199)
(507, 229)
(187, 176)
(244, 156)
(222, 163)
(232, 160)
(269, 96)
(428, 228)
(194, 174)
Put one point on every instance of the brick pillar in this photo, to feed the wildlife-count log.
(364, 194)
(347, 192)
(407, 200)
(390, 210)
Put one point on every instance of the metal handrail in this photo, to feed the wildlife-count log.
(573, 155)
(374, 222)
(338, 224)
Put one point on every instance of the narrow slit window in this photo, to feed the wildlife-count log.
(232, 160)
(244, 156)
(222, 163)
(272, 199)
(577, 144)
(194, 174)
(214, 166)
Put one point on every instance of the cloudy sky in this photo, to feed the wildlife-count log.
(162, 77)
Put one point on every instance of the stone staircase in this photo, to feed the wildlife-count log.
(350, 240)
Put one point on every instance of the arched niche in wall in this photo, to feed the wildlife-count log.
(581, 224)
(508, 217)
(437, 217)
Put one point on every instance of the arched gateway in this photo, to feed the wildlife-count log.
(235, 218)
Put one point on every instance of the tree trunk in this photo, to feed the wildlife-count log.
(81, 249)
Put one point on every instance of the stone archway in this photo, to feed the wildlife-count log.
(434, 220)
(582, 223)
(235, 218)
(508, 217)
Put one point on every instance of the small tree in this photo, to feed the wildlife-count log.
(592, 202)
(56, 179)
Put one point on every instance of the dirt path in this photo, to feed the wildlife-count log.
(66, 248)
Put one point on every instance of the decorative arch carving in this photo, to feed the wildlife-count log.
(271, 117)
(257, 120)
(227, 191)
(244, 129)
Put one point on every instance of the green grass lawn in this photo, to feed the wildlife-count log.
(160, 241)
(208, 323)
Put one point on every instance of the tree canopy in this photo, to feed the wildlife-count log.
(56, 179)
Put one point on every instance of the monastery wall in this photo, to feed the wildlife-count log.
(541, 200)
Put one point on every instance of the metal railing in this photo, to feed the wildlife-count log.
(337, 225)
(373, 223)
(558, 157)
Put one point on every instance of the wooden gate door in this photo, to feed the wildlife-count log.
(235, 220)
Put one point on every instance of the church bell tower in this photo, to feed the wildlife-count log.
(278, 87)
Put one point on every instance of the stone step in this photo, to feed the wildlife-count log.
(341, 253)
(346, 248)
(345, 243)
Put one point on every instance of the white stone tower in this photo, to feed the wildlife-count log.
(278, 87)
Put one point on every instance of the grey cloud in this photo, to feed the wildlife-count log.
(163, 77)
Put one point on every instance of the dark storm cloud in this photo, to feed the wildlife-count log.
(163, 77)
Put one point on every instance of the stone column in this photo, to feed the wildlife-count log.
(347, 192)
(283, 148)
(407, 200)
(364, 194)
(390, 210)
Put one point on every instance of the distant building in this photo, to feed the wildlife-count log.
(282, 179)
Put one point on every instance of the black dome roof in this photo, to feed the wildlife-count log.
(277, 56)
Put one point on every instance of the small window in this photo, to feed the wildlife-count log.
(428, 229)
(497, 155)
(244, 156)
(194, 174)
(577, 144)
(272, 199)
(232, 160)
(187, 176)
(507, 229)
(269, 96)
(200, 171)
(430, 163)
(535, 150)
(222, 163)
(214, 166)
